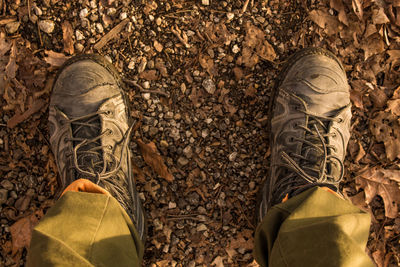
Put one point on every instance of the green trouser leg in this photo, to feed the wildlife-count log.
(314, 228)
(85, 229)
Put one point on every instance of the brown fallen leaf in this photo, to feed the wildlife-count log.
(112, 34)
(379, 16)
(207, 63)
(372, 46)
(361, 153)
(67, 37)
(55, 59)
(18, 117)
(358, 9)
(21, 232)
(377, 181)
(339, 7)
(4, 45)
(394, 106)
(154, 159)
(255, 46)
(12, 66)
(326, 21)
(149, 75)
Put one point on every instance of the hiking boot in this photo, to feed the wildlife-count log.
(310, 115)
(90, 132)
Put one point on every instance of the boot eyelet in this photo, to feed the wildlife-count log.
(340, 120)
(110, 147)
(108, 112)
(109, 132)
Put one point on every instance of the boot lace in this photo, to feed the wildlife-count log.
(300, 172)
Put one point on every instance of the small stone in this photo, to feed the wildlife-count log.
(153, 130)
(190, 33)
(230, 15)
(261, 19)
(158, 21)
(123, 16)
(12, 27)
(201, 227)
(146, 96)
(205, 2)
(204, 133)
(208, 120)
(111, 11)
(182, 161)
(196, 73)
(3, 196)
(131, 64)
(232, 156)
(164, 143)
(159, 47)
(46, 26)
(151, 17)
(37, 11)
(6, 184)
(142, 65)
(99, 28)
(146, 85)
(235, 49)
(93, 4)
(252, 185)
(79, 47)
(187, 151)
(209, 86)
(79, 35)
(171, 205)
(183, 88)
(83, 13)
(169, 115)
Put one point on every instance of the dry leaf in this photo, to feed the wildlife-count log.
(207, 63)
(67, 37)
(358, 9)
(372, 46)
(154, 160)
(255, 46)
(376, 181)
(218, 262)
(149, 75)
(55, 59)
(394, 106)
(326, 21)
(21, 232)
(379, 16)
(4, 46)
(385, 127)
(12, 66)
(18, 118)
(339, 7)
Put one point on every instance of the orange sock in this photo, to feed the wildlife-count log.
(327, 189)
(84, 185)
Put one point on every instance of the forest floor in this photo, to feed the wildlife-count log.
(199, 77)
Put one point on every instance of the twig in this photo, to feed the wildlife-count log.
(183, 39)
(110, 35)
(142, 90)
(40, 36)
(245, 6)
(29, 9)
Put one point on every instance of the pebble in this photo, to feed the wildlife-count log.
(12, 27)
(182, 161)
(204, 133)
(187, 151)
(83, 13)
(209, 85)
(158, 21)
(205, 2)
(6, 184)
(79, 47)
(142, 65)
(37, 11)
(93, 4)
(146, 85)
(230, 15)
(233, 156)
(171, 205)
(235, 49)
(123, 16)
(99, 28)
(146, 96)
(111, 11)
(3, 196)
(131, 64)
(151, 17)
(183, 88)
(46, 26)
(201, 227)
(79, 35)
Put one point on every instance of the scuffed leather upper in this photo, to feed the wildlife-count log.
(314, 84)
(87, 104)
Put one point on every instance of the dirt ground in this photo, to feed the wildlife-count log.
(199, 76)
